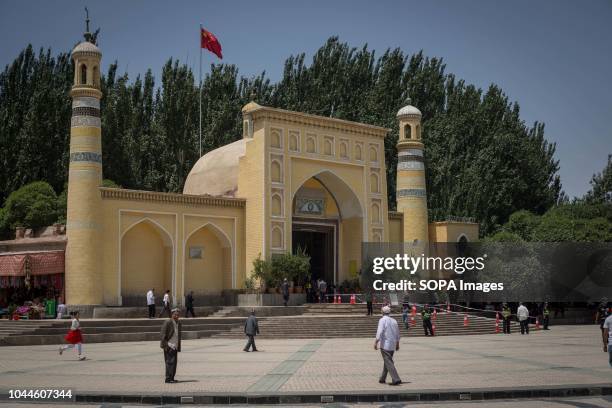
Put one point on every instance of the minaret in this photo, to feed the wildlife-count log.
(410, 193)
(83, 259)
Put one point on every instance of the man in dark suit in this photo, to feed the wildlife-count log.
(251, 329)
(189, 304)
(171, 344)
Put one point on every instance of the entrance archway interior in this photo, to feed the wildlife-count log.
(146, 262)
(327, 225)
(208, 264)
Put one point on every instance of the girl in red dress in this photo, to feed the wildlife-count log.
(74, 337)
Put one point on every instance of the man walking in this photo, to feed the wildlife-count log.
(285, 290)
(189, 304)
(151, 303)
(607, 338)
(322, 291)
(523, 316)
(171, 344)
(368, 299)
(251, 329)
(166, 304)
(546, 316)
(426, 316)
(388, 337)
(506, 315)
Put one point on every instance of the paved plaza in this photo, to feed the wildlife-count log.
(569, 355)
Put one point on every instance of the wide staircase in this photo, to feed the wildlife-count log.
(39, 332)
(345, 320)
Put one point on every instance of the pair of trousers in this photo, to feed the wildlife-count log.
(165, 309)
(370, 309)
(151, 311)
(189, 310)
(78, 346)
(525, 326)
(428, 327)
(546, 321)
(388, 366)
(250, 343)
(506, 325)
(171, 359)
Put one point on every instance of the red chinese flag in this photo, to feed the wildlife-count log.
(210, 42)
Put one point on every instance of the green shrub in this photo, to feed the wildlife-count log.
(32, 206)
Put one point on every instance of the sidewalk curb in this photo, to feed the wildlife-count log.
(476, 394)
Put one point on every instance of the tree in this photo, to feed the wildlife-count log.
(482, 160)
(601, 185)
(32, 206)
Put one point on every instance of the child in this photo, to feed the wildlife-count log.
(74, 336)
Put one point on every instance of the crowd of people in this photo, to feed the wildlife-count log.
(387, 338)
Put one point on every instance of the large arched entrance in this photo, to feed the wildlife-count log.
(208, 263)
(327, 223)
(146, 262)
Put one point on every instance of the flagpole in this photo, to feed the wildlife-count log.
(200, 91)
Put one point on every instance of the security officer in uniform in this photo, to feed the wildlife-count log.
(506, 315)
(426, 316)
(546, 315)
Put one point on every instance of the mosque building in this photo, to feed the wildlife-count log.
(292, 180)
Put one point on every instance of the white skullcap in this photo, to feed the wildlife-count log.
(386, 310)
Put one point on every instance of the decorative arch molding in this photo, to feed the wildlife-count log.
(462, 236)
(167, 237)
(348, 202)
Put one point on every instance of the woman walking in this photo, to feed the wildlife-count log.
(74, 337)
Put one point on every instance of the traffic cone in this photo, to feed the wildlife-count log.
(537, 324)
(447, 307)
(413, 310)
(497, 318)
(435, 314)
(465, 321)
(433, 329)
(497, 326)
(352, 299)
(339, 299)
(412, 320)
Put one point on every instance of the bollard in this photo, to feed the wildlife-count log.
(465, 321)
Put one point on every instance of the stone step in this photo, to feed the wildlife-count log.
(99, 338)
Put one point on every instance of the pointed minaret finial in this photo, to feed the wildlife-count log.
(408, 100)
(253, 95)
(88, 36)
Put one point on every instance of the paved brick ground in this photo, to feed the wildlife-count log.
(567, 355)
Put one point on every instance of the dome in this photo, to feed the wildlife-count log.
(86, 47)
(408, 110)
(216, 173)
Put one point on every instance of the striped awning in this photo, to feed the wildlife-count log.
(37, 263)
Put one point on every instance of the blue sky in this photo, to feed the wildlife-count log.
(552, 56)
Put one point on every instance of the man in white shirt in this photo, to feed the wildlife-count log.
(607, 337)
(166, 304)
(388, 337)
(151, 303)
(523, 316)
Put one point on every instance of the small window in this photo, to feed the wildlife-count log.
(83, 74)
(407, 132)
